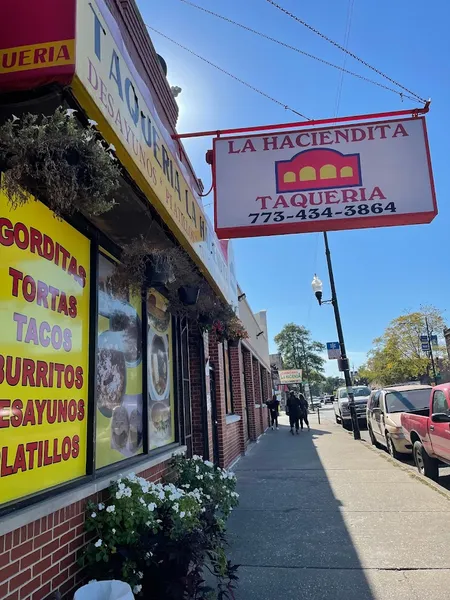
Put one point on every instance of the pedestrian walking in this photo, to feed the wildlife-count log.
(304, 412)
(298, 412)
(274, 408)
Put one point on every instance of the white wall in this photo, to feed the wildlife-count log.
(254, 323)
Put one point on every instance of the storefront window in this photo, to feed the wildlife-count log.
(44, 315)
(119, 372)
(160, 372)
(227, 376)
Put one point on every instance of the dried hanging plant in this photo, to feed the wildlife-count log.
(140, 261)
(57, 161)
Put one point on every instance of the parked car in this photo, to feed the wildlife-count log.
(328, 400)
(361, 395)
(428, 430)
(316, 402)
(384, 411)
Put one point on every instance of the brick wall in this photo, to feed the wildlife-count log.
(250, 391)
(258, 397)
(238, 390)
(41, 557)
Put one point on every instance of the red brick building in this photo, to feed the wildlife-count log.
(205, 397)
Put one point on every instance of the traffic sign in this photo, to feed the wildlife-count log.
(424, 338)
(426, 347)
(334, 350)
(434, 341)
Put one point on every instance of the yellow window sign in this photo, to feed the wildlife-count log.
(44, 316)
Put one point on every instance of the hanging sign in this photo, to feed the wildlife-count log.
(290, 376)
(375, 174)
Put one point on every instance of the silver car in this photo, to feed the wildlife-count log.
(361, 394)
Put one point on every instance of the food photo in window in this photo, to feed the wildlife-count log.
(119, 372)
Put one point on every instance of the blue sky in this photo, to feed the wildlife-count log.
(381, 272)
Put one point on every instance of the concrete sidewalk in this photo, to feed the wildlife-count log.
(322, 516)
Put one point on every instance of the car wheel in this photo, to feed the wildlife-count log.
(373, 439)
(391, 448)
(426, 465)
(347, 425)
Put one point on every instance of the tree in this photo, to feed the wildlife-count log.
(331, 384)
(397, 355)
(299, 351)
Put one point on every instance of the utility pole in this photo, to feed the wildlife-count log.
(305, 360)
(344, 360)
(433, 366)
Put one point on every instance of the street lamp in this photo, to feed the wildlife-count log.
(317, 287)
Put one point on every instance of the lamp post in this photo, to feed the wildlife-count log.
(317, 287)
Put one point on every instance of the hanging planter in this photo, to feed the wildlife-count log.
(189, 294)
(158, 271)
(58, 161)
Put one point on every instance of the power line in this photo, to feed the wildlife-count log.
(303, 52)
(248, 85)
(344, 62)
(360, 60)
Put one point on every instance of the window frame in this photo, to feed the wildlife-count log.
(229, 401)
(435, 394)
(99, 245)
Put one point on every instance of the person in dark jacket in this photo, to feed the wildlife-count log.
(304, 412)
(298, 411)
(274, 406)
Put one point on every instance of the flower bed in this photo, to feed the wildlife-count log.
(160, 538)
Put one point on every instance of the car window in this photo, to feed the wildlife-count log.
(407, 401)
(375, 402)
(440, 404)
(361, 392)
(343, 393)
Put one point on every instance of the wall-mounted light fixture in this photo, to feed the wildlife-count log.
(241, 297)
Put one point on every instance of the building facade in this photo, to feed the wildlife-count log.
(93, 382)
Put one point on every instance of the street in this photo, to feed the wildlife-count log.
(322, 516)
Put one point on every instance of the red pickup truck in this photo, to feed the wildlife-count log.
(429, 432)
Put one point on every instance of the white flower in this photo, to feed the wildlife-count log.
(93, 515)
(98, 543)
(110, 509)
(137, 589)
(197, 469)
(149, 554)
(101, 506)
(200, 477)
(161, 495)
(113, 530)
(176, 507)
(182, 514)
(151, 507)
(186, 485)
(119, 495)
(158, 521)
(140, 574)
(208, 463)
(142, 501)
(121, 486)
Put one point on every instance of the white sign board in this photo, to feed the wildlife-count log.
(374, 174)
(334, 350)
(290, 376)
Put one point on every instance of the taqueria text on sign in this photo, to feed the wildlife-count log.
(44, 288)
(353, 176)
(109, 87)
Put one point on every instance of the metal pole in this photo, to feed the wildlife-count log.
(305, 361)
(433, 366)
(345, 361)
